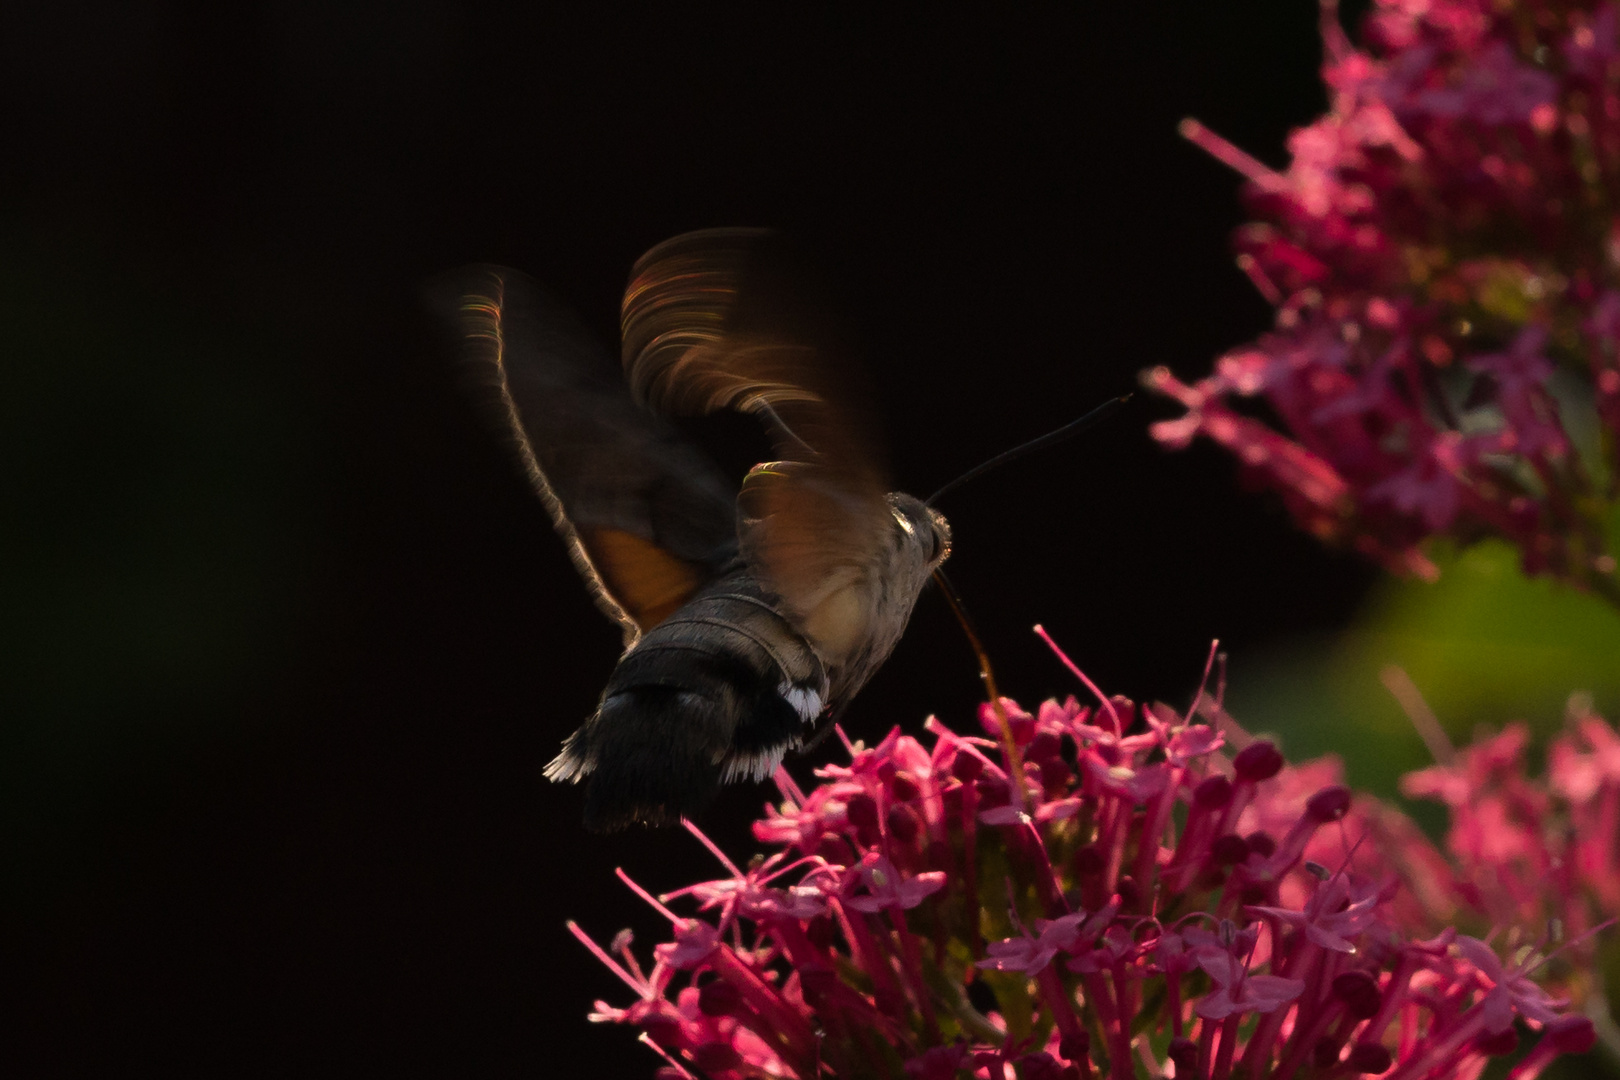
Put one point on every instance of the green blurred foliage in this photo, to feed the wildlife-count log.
(1485, 645)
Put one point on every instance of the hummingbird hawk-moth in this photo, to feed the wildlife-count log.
(749, 615)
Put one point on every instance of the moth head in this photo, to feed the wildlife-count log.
(923, 532)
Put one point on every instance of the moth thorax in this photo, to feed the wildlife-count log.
(841, 622)
(857, 624)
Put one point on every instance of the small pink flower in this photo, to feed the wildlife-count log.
(1030, 953)
(1336, 915)
(1136, 784)
(1511, 992)
(694, 941)
(886, 887)
(1238, 991)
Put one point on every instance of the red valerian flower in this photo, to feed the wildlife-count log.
(886, 887)
(1336, 914)
(1444, 260)
(1030, 953)
(1236, 991)
(927, 917)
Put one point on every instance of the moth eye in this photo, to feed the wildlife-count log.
(934, 545)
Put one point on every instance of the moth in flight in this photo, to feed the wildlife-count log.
(750, 616)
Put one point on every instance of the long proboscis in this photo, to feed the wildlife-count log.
(954, 599)
(959, 609)
(1067, 431)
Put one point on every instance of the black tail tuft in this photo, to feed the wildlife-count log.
(656, 757)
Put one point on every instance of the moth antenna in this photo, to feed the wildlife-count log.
(760, 404)
(1067, 431)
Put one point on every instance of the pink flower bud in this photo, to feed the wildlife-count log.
(1329, 804)
(903, 824)
(1359, 992)
(1368, 1058)
(718, 998)
(1212, 793)
(966, 767)
(1260, 760)
(1571, 1034)
(861, 810)
(1228, 850)
(904, 787)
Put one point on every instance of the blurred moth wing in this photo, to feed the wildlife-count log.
(701, 334)
(647, 517)
(748, 616)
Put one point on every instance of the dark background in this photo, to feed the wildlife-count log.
(286, 639)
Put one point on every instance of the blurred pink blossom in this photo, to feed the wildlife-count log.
(1444, 260)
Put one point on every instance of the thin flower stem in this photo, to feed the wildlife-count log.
(1060, 1004)
(1190, 849)
(1405, 691)
(1300, 1043)
(875, 962)
(651, 900)
(1115, 1024)
(674, 1062)
(1147, 855)
(1126, 1005)
(1203, 682)
(1258, 1054)
(1046, 882)
(1242, 793)
(970, 871)
(1394, 996)
(1098, 998)
(1206, 1045)
(1223, 1057)
(607, 961)
(911, 963)
(1229, 155)
(714, 849)
(1115, 833)
(972, 1020)
(782, 1022)
(1108, 706)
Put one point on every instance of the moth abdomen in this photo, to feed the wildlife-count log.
(719, 692)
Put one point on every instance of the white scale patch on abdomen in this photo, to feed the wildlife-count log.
(804, 700)
(755, 767)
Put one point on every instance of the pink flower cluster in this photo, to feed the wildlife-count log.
(1085, 892)
(1528, 852)
(1444, 258)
